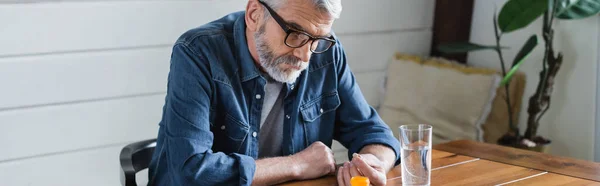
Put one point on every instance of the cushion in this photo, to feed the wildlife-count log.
(455, 99)
(497, 121)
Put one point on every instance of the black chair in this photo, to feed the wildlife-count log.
(134, 158)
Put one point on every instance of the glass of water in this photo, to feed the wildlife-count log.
(415, 143)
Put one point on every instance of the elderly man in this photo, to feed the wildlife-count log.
(256, 98)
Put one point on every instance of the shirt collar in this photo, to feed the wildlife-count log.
(248, 69)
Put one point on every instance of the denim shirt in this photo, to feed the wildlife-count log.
(209, 129)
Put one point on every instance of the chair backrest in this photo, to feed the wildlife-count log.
(134, 158)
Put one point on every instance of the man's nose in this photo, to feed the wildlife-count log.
(303, 53)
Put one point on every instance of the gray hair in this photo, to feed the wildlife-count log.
(331, 7)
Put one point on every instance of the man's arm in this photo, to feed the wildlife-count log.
(186, 133)
(312, 162)
(358, 126)
(385, 154)
(271, 171)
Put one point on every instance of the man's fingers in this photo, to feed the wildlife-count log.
(340, 177)
(370, 160)
(331, 163)
(366, 169)
(354, 170)
(347, 175)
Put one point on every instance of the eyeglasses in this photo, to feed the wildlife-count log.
(296, 38)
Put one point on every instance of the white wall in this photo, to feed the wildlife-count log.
(571, 118)
(597, 137)
(81, 79)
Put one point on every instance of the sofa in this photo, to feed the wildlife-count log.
(459, 101)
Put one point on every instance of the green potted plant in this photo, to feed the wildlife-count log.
(515, 15)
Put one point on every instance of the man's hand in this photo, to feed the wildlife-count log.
(313, 162)
(363, 165)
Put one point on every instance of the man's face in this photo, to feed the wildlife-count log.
(281, 62)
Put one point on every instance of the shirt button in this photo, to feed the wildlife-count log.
(223, 127)
(287, 116)
(321, 110)
(258, 96)
(254, 134)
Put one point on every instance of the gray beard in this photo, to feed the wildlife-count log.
(270, 63)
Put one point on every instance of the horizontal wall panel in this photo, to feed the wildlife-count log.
(53, 129)
(94, 75)
(98, 167)
(33, 28)
(360, 16)
(79, 25)
(370, 52)
(371, 85)
(47, 79)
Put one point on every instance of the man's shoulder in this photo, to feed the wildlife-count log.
(223, 26)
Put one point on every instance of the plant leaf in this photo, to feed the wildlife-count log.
(531, 43)
(516, 14)
(512, 72)
(520, 58)
(462, 47)
(576, 9)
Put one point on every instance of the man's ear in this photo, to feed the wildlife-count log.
(254, 13)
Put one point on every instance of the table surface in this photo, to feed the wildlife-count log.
(472, 163)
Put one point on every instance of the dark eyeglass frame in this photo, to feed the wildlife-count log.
(289, 30)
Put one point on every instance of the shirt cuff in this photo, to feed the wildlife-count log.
(247, 167)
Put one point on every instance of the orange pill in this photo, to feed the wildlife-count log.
(359, 181)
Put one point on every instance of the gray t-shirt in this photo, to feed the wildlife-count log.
(271, 121)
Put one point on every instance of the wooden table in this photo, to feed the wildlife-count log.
(473, 163)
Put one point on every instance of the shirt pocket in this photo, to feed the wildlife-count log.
(314, 109)
(235, 129)
(229, 133)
